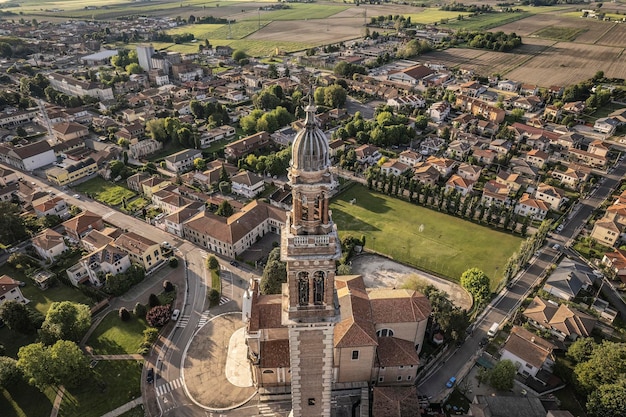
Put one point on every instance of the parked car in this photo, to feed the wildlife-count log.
(13, 249)
(556, 246)
(559, 228)
(234, 263)
(483, 342)
(175, 314)
(150, 376)
(451, 382)
(76, 196)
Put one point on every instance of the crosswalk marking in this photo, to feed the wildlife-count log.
(264, 410)
(204, 317)
(170, 386)
(108, 214)
(182, 321)
(224, 300)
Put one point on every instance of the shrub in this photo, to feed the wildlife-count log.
(158, 316)
(214, 296)
(124, 314)
(167, 286)
(173, 262)
(212, 262)
(153, 301)
(150, 335)
(140, 311)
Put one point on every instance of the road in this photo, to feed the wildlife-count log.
(462, 359)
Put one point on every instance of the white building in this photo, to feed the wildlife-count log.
(247, 184)
(182, 161)
(144, 55)
(10, 290)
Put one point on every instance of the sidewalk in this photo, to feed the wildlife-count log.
(124, 408)
(57, 402)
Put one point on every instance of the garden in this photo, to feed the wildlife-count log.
(116, 337)
(104, 191)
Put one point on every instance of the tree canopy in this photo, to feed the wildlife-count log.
(65, 320)
(274, 274)
(19, 317)
(62, 363)
(502, 375)
(476, 283)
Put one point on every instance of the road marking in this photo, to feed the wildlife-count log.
(170, 386)
(264, 410)
(224, 300)
(108, 214)
(182, 321)
(204, 317)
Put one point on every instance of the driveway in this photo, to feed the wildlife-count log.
(380, 272)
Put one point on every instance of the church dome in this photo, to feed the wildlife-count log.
(310, 146)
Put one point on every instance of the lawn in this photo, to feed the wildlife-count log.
(114, 383)
(42, 299)
(105, 191)
(13, 341)
(116, 337)
(430, 16)
(136, 204)
(24, 400)
(445, 244)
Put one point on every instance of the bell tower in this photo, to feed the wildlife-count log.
(310, 245)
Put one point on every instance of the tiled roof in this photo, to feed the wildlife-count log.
(356, 327)
(81, 222)
(395, 402)
(7, 284)
(48, 239)
(132, 242)
(528, 346)
(274, 354)
(398, 306)
(396, 352)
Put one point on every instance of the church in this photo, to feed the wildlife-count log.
(327, 333)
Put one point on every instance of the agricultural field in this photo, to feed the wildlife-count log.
(566, 63)
(485, 21)
(321, 31)
(421, 237)
(559, 33)
(614, 36)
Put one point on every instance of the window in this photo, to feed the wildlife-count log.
(408, 378)
(381, 379)
(311, 401)
(384, 333)
(355, 355)
(268, 371)
(399, 378)
(149, 258)
(318, 287)
(303, 288)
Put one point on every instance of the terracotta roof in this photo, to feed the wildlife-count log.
(48, 239)
(398, 306)
(68, 127)
(395, 402)
(81, 222)
(96, 239)
(247, 178)
(528, 346)
(266, 312)
(356, 327)
(274, 354)
(7, 284)
(132, 242)
(48, 204)
(396, 352)
(32, 149)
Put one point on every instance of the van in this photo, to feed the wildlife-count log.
(493, 329)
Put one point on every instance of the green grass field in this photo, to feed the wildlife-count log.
(430, 16)
(105, 191)
(42, 299)
(114, 383)
(116, 337)
(137, 204)
(447, 245)
(24, 400)
(301, 11)
(485, 21)
(559, 33)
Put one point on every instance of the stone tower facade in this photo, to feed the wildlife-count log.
(310, 245)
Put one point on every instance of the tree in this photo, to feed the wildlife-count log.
(594, 372)
(16, 317)
(153, 300)
(168, 286)
(517, 114)
(212, 262)
(65, 320)
(502, 375)
(33, 362)
(140, 311)
(581, 350)
(214, 296)
(199, 164)
(158, 316)
(274, 275)
(124, 314)
(134, 68)
(12, 227)
(225, 209)
(239, 55)
(62, 363)
(476, 283)
(608, 400)
(9, 372)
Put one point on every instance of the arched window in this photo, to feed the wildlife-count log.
(303, 288)
(384, 333)
(304, 208)
(268, 371)
(318, 287)
(316, 209)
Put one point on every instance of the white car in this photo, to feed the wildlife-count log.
(175, 314)
(597, 273)
(556, 246)
(559, 228)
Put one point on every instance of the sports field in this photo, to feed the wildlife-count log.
(421, 237)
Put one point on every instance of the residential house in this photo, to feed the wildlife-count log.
(425, 173)
(10, 291)
(431, 145)
(508, 85)
(563, 321)
(247, 184)
(529, 90)
(107, 260)
(233, 235)
(599, 147)
(209, 136)
(411, 101)
(8, 193)
(512, 181)
(571, 177)
(507, 406)
(134, 181)
(469, 171)
(394, 167)
(68, 174)
(439, 111)
(7, 176)
(552, 112)
(75, 87)
(529, 206)
(445, 166)
(608, 229)
(553, 196)
(587, 158)
(139, 149)
(77, 227)
(460, 184)
(69, 130)
(337, 145)
(182, 161)
(131, 132)
(472, 88)
(410, 157)
(141, 250)
(49, 244)
(529, 103)
(153, 185)
(529, 352)
(175, 221)
(458, 150)
(574, 107)
(395, 401)
(501, 146)
(484, 156)
(249, 144)
(480, 108)
(616, 263)
(524, 168)
(169, 201)
(97, 239)
(567, 280)
(606, 125)
(51, 206)
(412, 75)
(495, 193)
(537, 158)
(28, 157)
(367, 154)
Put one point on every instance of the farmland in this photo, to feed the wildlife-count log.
(559, 33)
